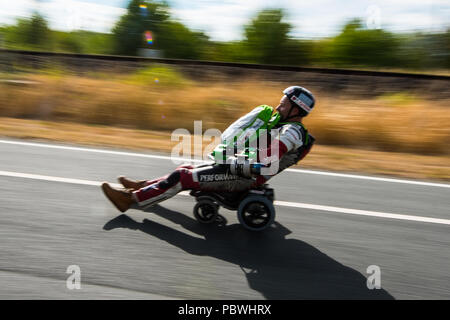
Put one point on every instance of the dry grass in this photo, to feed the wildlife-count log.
(387, 124)
(389, 134)
(321, 157)
(398, 122)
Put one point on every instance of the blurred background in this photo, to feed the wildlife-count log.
(366, 123)
(394, 34)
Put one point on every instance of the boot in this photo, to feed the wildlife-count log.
(121, 199)
(131, 184)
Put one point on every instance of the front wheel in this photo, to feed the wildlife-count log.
(256, 213)
(206, 211)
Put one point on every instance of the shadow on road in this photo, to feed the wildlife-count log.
(277, 267)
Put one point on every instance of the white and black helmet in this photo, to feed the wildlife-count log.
(300, 98)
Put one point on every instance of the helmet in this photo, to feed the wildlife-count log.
(300, 98)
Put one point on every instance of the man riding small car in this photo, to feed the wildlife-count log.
(228, 173)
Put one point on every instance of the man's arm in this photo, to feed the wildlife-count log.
(290, 138)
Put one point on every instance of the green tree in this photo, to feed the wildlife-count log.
(68, 42)
(266, 37)
(356, 46)
(297, 52)
(437, 46)
(233, 51)
(129, 31)
(177, 41)
(33, 32)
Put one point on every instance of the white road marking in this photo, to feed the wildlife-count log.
(18, 81)
(354, 176)
(49, 178)
(278, 203)
(142, 155)
(362, 212)
(119, 153)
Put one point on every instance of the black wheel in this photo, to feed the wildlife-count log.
(256, 213)
(206, 211)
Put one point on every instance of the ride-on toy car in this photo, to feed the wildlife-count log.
(255, 210)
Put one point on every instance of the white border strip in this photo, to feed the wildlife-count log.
(362, 212)
(142, 155)
(54, 179)
(278, 203)
(354, 176)
(119, 153)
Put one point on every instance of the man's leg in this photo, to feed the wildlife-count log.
(161, 189)
(138, 184)
(180, 179)
(206, 178)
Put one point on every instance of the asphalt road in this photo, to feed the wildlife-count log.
(312, 252)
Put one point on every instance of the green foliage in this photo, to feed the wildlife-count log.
(266, 37)
(67, 42)
(30, 33)
(35, 31)
(33, 34)
(179, 42)
(83, 42)
(94, 42)
(129, 31)
(298, 52)
(266, 40)
(161, 76)
(356, 46)
(423, 51)
(170, 37)
(233, 51)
